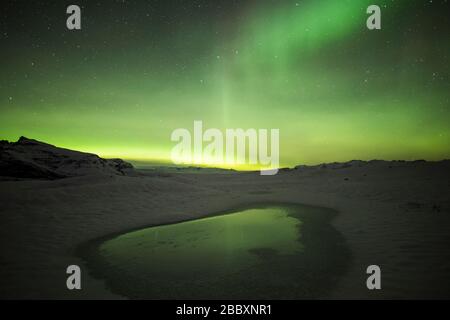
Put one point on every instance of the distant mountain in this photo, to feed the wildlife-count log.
(373, 163)
(28, 158)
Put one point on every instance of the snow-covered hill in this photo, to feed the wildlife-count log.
(28, 158)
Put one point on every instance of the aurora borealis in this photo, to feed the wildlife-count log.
(140, 69)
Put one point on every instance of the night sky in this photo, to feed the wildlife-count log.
(140, 69)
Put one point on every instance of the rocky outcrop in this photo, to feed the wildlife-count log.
(28, 158)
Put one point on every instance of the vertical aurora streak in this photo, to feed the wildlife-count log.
(138, 70)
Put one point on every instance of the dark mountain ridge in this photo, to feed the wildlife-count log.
(28, 158)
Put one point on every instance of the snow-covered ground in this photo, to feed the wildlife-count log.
(393, 214)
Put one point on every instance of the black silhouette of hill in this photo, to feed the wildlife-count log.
(28, 158)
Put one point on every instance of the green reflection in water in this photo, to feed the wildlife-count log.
(250, 254)
(212, 246)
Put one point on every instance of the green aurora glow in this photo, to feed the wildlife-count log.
(132, 75)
